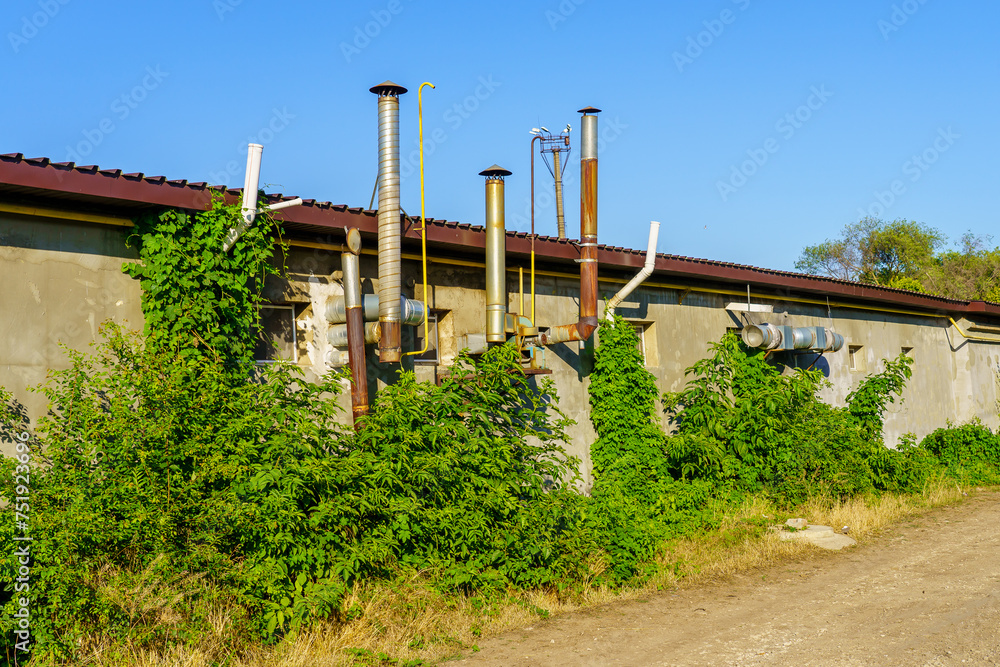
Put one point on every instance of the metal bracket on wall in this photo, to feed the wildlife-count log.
(682, 296)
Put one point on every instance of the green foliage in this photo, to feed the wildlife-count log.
(970, 452)
(908, 255)
(867, 404)
(970, 272)
(197, 298)
(171, 474)
(891, 254)
(474, 481)
(637, 504)
(623, 398)
(191, 484)
(746, 427)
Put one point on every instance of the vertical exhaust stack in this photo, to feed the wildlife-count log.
(496, 254)
(582, 329)
(355, 326)
(560, 216)
(389, 230)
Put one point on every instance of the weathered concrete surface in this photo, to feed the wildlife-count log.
(63, 279)
(924, 593)
(60, 282)
(823, 537)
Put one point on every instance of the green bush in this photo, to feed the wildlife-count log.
(970, 453)
(171, 472)
(747, 427)
(637, 504)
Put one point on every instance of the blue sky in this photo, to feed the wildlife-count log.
(750, 129)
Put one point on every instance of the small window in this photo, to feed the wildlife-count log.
(857, 358)
(646, 343)
(908, 351)
(277, 339)
(433, 353)
(640, 333)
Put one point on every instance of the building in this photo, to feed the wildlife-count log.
(64, 234)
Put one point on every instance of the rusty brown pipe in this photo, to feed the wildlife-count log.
(583, 329)
(355, 327)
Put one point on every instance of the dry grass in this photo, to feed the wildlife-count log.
(410, 621)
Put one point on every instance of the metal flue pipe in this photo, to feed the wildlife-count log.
(582, 329)
(355, 326)
(496, 254)
(647, 269)
(389, 229)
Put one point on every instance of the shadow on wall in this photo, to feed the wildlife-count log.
(790, 361)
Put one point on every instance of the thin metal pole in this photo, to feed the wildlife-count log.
(533, 229)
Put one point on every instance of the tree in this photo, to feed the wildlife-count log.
(972, 272)
(890, 254)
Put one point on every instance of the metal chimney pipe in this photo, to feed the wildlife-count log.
(389, 229)
(496, 254)
(560, 216)
(588, 239)
(355, 326)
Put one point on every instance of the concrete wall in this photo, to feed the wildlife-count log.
(62, 279)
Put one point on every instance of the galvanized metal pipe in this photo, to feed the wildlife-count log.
(583, 329)
(496, 258)
(389, 229)
(411, 310)
(338, 335)
(560, 216)
(354, 334)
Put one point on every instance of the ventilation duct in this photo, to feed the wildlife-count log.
(411, 311)
(784, 337)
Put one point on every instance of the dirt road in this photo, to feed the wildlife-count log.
(926, 592)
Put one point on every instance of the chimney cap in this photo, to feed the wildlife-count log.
(387, 88)
(495, 171)
(589, 110)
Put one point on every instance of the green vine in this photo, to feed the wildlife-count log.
(197, 298)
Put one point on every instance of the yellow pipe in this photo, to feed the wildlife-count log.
(520, 291)
(42, 212)
(532, 287)
(423, 217)
(968, 337)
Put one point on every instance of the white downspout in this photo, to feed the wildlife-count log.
(647, 269)
(248, 201)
